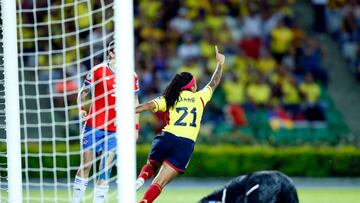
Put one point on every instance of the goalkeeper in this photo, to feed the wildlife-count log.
(258, 187)
(173, 148)
(98, 136)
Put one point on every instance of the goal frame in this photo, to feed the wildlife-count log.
(12, 103)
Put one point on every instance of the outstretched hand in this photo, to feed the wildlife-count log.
(220, 58)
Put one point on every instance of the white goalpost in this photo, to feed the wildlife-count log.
(124, 46)
(50, 46)
(12, 106)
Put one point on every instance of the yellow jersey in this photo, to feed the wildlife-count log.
(311, 91)
(184, 118)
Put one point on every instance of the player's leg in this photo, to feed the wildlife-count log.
(166, 174)
(176, 159)
(107, 161)
(147, 172)
(159, 147)
(81, 178)
(84, 169)
(102, 184)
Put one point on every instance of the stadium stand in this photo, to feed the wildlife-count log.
(344, 26)
(274, 85)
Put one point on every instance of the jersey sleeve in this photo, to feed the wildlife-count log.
(136, 83)
(160, 104)
(205, 94)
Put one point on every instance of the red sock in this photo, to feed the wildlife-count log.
(152, 193)
(147, 172)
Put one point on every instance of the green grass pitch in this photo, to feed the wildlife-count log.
(192, 195)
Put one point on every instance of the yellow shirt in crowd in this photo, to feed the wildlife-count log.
(311, 91)
(259, 93)
(234, 92)
(291, 94)
(281, 39)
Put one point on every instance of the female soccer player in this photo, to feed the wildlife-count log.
(99, 130)
(173, 148)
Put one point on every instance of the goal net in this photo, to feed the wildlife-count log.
(59, 41)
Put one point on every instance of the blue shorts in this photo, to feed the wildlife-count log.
(104, 140)
(175, 151)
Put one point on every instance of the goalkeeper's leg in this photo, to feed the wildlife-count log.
(81, 179)
(102, 184)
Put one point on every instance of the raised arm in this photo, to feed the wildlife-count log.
(145, 106)
(216, 77)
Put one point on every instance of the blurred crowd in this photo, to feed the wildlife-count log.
(343, 20)
(272, 65)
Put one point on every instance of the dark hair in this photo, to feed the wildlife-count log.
(173, 90)
(110, 47)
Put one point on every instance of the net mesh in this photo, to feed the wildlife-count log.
(59, 41)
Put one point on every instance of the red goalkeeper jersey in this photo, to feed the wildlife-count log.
(102, 110)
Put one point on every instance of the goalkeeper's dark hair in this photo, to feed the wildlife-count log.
(173, 90)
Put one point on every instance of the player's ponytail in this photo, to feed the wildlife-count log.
(173, 90)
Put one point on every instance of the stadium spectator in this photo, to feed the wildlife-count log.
(281, 38)
(189, 49)
(310, 60)
(291, 98)
(344, 24)
(266, 64)
(252, 23)
(234, 89)
(251, 45)
(259, 93)
(311, 93)
(180, 23)
(310, 90)
(350, 35)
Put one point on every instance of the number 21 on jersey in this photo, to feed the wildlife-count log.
(184, 112)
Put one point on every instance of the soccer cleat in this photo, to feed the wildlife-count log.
(139, 183)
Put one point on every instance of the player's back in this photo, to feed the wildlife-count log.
(185, 117)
